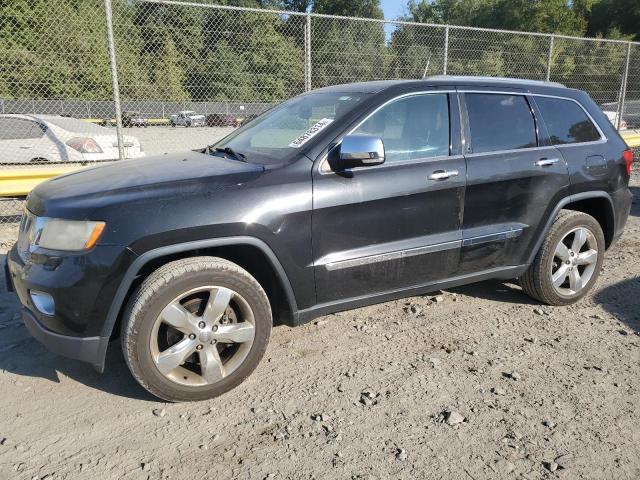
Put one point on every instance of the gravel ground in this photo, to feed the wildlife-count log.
(479, 382)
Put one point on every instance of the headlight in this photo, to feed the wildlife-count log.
(68, 235)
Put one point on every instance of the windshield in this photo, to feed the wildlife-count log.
(279, 133)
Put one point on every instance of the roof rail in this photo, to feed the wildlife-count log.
(473, 78)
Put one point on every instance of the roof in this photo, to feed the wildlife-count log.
(494, 80)
(70, 124)
(379, 85)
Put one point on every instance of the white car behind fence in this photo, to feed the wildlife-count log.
(52, 138)
(188, 118)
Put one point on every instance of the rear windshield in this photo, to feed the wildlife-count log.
(279, 133)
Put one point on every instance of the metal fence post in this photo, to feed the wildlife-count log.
(623, 86)
(446, 50)
(550, 58)
(307, 53)
(114, 76)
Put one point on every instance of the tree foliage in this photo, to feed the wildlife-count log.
(56, 49)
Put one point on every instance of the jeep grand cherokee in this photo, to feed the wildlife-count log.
(342, 197)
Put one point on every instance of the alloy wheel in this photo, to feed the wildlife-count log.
(202, 336)
(574, 261)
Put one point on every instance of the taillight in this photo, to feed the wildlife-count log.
(628, 160)
(84, 145)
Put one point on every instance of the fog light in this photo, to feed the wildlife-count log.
(43, 302)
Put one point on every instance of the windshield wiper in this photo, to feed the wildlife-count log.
(229, 151)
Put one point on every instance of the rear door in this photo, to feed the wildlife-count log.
(514, 179)
(388, 227)
(580, 141)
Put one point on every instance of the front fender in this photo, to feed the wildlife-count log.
(138, 264)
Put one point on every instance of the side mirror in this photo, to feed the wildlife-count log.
(359, 151)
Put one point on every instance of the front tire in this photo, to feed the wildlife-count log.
(569, 261)
(195, 329)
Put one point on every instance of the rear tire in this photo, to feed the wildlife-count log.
(195, 329)
(569, 261)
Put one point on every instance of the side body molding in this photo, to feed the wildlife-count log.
(563, 203)
(142, 260)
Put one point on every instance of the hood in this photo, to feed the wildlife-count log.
(166, 175)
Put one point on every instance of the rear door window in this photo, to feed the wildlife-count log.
(500, 122)
(566, 121)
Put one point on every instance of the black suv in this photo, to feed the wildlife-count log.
(339, 198)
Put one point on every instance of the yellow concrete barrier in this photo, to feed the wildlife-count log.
(18, 182)
(632, 138)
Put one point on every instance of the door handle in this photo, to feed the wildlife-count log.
(443, 174)
(545, 162)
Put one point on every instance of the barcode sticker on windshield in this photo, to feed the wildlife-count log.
(312, 132)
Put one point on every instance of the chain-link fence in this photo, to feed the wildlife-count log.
(185, 73)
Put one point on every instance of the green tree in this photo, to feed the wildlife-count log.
(349, 8)
(168, 75)
(614, 17)
(53, 50)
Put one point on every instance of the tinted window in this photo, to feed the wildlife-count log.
(411, 127)
(17, 128)
(500, 122)
(278, 135)
(566, 121)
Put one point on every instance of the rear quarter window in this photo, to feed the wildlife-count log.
(566, 121)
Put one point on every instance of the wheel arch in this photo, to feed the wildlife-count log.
(250, 253)
(597, 203)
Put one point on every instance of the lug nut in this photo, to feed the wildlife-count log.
(192, 336)
(213, 342)
(201, 324)
(214, 328)
(199, 347)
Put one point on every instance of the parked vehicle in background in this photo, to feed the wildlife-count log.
(339, 198)
(53, 138)
(613, 116)
(133, 119)
(223, 120)
(187, 118)
(630, 116)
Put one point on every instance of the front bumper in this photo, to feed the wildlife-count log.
(82, 287)
(87, 349)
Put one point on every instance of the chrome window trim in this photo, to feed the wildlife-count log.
(323, 166)
(603, 137)
(507, 152)
(324, 169)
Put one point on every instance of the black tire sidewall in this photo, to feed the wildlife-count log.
(142, 327)
(549, 292)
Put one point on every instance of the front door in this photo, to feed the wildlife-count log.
(388, 227)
